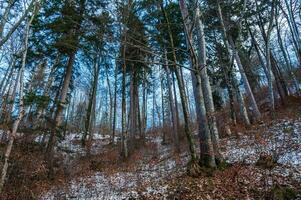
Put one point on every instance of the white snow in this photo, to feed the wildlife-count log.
(146, 179)
(282, 140)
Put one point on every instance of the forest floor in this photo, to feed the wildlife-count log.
(263, 162)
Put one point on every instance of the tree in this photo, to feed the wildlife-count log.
(13, 131)
(73, 17)
(231, 44)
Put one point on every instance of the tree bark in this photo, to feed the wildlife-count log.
(182, 93)
(239, 96)
(171, 104)
(91, 103)
(63, 96)
(13, 131)
(286, 59)
(201, 84)
(57, 116)
(115, 106)
(163, 112)
(255, 111)
(4, 39)
(207, 92)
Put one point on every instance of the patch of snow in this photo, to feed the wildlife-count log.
(282, 140)
(147, 179)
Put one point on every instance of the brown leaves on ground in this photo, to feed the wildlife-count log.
(235, 182)
(28, 173)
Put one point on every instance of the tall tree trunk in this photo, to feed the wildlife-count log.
(12, 97)
(57, 116)
(207, 92)
(13, 131)
(231, 98)
(256, 46)
(201, 84)
(175, 97)
(279, 79)
(153, 109)
(241, 101)
(144, 104)
(171, 104)
(255, 111)
(123, 115)
(286, 59)
(115, 106)
(134, 100)
(239, 96)
(295, 40)
(188, 99)
(63, 96)
(266, 36)
(111, 101)
(5, 97)
(182, 93)
(91, 104)
(163, 112)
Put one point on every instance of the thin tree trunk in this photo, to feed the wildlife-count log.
(7, 74)
(175, 96)
(13, 131)
(12, 97)
(4, 39)
(256, 46)
(5, 97)
(255, 111)
(5, 15)
(144, 104)
(171, 104)
(115, 106)
(123, 117)
(182, 93)
(280, 83)
(91, 101)
(239, 96)
(293, 33)
(268, 57)
(5, 82)
(153, 110)
(163, 112)
(111, 102)
(231, 99)
(241, 102)
(285, 56)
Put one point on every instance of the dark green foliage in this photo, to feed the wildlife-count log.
(134, 50)
(32, 98)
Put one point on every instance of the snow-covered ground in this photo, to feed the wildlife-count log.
(282, 140)
(147, 179)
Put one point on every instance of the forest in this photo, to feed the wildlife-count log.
(150, 99)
